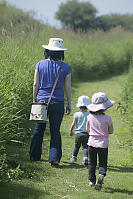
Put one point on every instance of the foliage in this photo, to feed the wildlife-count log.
(126, 105)
(14, 96)
(82, 16)
(97, 55)
(77, 15)
(107, 22)
(11, 16)
(8, 173)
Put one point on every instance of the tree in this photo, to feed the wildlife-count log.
(77, 15)
(106, 22)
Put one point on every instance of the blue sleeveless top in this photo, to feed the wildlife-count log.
(47, 73)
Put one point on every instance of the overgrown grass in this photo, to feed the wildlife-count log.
(126, 106)
(11, 17)
(98, 55)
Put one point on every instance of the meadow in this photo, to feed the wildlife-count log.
(100, 62)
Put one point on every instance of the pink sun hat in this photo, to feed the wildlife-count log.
(100, 101)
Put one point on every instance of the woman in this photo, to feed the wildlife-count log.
(44, 78)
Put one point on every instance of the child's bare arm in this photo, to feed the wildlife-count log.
(88, 127)
(72, 127)
(111, 129)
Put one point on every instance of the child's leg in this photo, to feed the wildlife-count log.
(92, 163)
(85, 137)
(103, 157)
(77, 144)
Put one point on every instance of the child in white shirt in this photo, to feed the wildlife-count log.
(81, 135)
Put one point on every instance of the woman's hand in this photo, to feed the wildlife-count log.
(68, 109)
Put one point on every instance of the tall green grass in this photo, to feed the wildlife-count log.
(11, 17)
(98, 55)
(15, 88)
(126, 106)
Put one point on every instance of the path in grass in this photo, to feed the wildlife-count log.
(70, 181)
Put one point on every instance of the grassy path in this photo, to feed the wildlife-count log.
(71, 180)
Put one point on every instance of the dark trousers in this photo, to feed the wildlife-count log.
(81, 139)
(102, 156)
(55, 114)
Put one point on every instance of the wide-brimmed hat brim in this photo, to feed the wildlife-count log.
(81, 104)
(53, 48)
(103, 106)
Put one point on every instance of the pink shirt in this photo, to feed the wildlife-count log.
(99, 133)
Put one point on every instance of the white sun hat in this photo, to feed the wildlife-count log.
(55, 44)
(100, 101)
(83, 101)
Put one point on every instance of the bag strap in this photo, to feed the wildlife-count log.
(57, 77)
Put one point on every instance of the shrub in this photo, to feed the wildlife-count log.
(126, 106)
(98, 55)
(8, 173)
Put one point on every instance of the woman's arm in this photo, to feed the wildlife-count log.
(35, 84)
(68, 93)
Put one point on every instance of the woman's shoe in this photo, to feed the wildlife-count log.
(54, 164)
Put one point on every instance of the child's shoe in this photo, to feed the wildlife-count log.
(85, 162)
(73, 159)
(99, 182)
(91, 184)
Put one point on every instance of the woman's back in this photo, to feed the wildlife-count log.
(48, 71)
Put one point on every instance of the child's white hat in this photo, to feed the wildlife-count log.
(55, 44)
(83, 101)
(100, 101)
